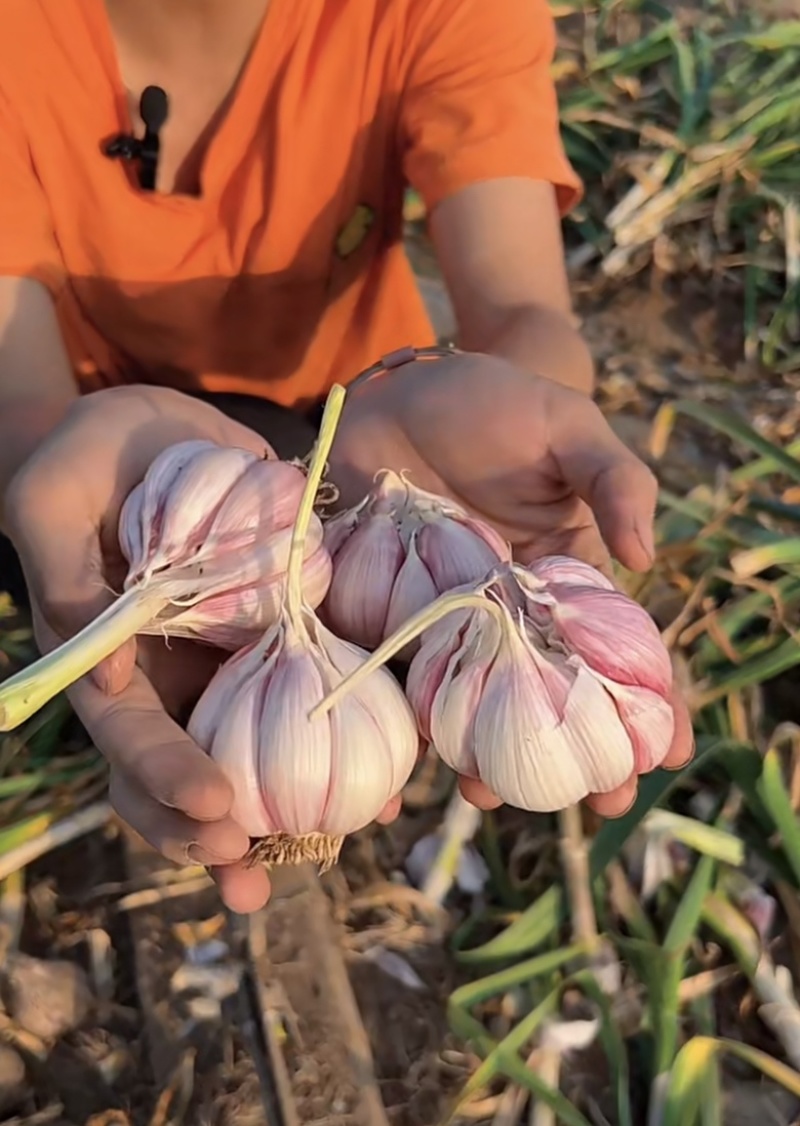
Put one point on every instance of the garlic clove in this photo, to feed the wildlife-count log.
(339, 528)
(454, 554)
(600, 744)
(131, 532)
(234, 749)
(362, 770)
(385, 699)
(160, 478)
(565, 570)
(294, 752)
(364, 572)
(614, 635)
(521, 751)
(220, 692)
(429, 666)
(264, 500)
(189, 507)
(456, 703)
(413, 589)
(547, 736)
(649, 720)
(499, 547)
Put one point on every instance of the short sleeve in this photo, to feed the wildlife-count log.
(28, 246)
(478, 100)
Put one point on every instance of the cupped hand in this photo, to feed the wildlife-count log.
(533, 458)
(63, 510)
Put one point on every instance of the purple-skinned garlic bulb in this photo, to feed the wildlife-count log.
(396, 552)
(302, 784)
(544, 682)
(207, 536)
(214, 526)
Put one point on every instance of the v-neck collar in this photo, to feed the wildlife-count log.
(257, 76)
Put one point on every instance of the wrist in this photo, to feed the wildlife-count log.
(546, 343)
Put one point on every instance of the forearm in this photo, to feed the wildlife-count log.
(37, 384)
(539, 340)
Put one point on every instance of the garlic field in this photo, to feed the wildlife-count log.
(511, 967)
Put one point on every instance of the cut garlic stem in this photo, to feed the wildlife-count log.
(577, 876)
(23, 694)
(461, 823)
(444, 605)
(316, 469)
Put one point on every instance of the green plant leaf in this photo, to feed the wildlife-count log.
(685, 1086)
(775, 796)
(474, 992)
(740, 431)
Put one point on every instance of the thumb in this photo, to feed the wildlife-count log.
(618, 487)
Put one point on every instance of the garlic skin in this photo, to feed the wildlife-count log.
(294, 777)
(231, 619)
(553, 692)
(396, 552)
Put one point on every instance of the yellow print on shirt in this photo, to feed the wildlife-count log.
(354, 232)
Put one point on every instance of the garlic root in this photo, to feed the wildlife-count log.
(283, 848)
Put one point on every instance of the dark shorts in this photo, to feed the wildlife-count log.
(289, 433)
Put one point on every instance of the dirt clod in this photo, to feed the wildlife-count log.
(46, 998)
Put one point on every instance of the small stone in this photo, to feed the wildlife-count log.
(46, 998)
(218, 982)
(12, 1079)
(204, 1010)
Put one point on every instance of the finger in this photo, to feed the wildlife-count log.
(581, 542)
(173, 834)
(242, 889)
(681, 751)
(138, 738)
(618, 487)
(477, 794)
(391, 811)
(617, 802)
(180, 668)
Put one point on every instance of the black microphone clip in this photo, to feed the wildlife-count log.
(153, 110)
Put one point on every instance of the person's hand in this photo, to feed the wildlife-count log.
(535, 459)
(62, 510)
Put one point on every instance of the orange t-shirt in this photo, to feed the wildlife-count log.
(288, 271)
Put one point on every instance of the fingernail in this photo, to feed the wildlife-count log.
(101, 675)
(624, 812)
(686, 761)
(680, 766)
(197, 854)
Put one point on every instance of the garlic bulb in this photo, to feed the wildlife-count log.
(302, 784)
(546, 690)
(396, 552)
(207, 536)
(213, 526)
